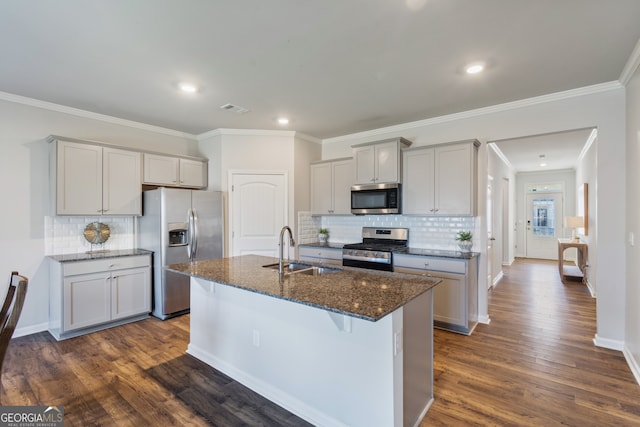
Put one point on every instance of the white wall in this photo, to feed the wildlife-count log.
(306, 150)
(632, 288)
(261, 151)
(24, 171)
(601, 106)
(586, 173)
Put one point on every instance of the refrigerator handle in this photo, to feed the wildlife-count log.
(194, 219)
(191, 234)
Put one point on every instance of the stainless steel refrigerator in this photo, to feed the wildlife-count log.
(178, 226)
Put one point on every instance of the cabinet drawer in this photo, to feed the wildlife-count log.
(109, 264)
(429, 263)
(324, 253)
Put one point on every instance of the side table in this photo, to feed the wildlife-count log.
(570, 271)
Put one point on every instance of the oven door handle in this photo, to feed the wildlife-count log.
(367, 259)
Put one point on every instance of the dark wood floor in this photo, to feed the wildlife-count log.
(534, 365)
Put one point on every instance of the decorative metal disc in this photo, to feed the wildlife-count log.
(97, 232)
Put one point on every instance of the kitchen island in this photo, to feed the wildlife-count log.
(346, 348)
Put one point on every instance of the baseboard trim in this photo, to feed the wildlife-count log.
(484, 319)
(497, 278)
(423, 413)
(608, 343)
(272, 393)
(632, 362)
(31, 329)
(592, 290)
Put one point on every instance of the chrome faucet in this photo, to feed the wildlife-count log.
(291, 242)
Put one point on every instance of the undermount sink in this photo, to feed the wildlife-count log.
(301, 268)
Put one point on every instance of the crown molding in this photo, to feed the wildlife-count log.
(308, 138)
(90, 115)
(557, 96)
(590, 140)
(631, 66)
(501, 155)
(246, 132)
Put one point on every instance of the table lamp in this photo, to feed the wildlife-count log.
(573, 222)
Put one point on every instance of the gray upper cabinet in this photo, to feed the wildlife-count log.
(174, 171)
(379, 162)
(94, 180)
(441, 179)
(331, 187)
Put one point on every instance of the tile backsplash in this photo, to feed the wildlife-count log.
(64, 234)
(425, 232)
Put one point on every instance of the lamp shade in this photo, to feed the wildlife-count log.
(574, 221)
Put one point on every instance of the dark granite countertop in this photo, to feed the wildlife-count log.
(355, 292)
(89, 256)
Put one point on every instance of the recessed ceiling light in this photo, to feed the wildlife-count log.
(187, 87)
(283, 121)
(474, 68)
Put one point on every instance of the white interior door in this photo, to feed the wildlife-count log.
(258, 212)
(544, 225)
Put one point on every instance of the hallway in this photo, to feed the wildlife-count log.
(535, 364)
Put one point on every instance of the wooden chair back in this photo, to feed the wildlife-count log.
(11, 309)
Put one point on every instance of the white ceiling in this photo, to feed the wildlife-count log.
(334, 67)
(560, 150)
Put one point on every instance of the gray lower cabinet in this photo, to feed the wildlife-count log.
(455, 300)
(324, 255)
(86, 296)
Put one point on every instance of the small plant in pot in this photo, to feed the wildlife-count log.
(323, 235)
(464, 240)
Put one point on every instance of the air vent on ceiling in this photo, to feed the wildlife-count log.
(234, 108)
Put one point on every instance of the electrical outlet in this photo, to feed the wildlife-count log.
(397, 342)
(256, 338)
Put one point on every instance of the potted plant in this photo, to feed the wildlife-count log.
(464, 240)
(323, 235)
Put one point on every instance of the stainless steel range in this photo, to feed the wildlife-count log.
(377, 248)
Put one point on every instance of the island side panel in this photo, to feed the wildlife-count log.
(418, 358)
(299, 357)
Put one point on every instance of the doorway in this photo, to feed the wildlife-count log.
(258, 210)
(490, 236)
(543, 224)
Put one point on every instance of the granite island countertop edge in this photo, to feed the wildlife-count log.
(378, 282)
(92, 256)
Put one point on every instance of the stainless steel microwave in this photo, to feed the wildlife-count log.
(375, 199)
